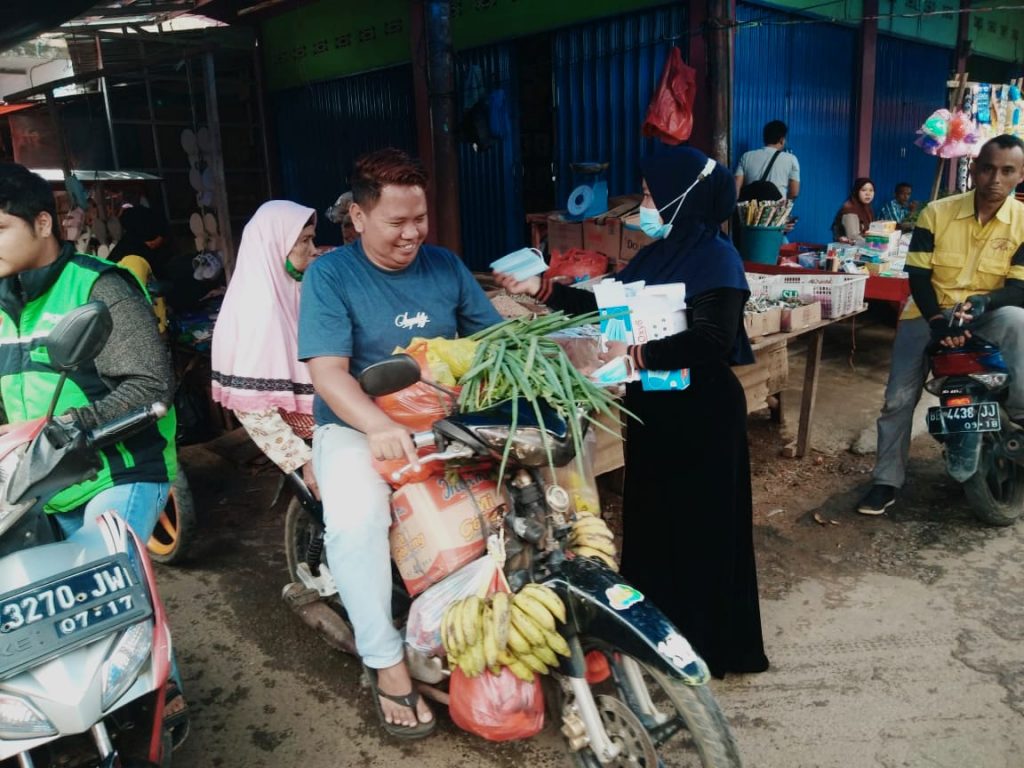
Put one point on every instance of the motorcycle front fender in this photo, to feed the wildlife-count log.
(962, 454)
(601, 605)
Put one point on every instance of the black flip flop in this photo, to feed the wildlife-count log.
(410, 700)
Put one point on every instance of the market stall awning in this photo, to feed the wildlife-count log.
(56, 175)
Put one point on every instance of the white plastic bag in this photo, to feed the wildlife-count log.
(480, 577)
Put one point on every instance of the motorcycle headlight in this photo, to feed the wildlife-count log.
(527, 444)
(19, 719)
(991, 380)
(10, 513)
(124, 661)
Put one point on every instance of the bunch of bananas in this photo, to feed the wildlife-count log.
(591, 537)
(518, 631)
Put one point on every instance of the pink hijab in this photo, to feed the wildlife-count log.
(255, 341)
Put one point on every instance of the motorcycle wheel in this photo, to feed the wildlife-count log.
(696, 732)
(996, 491)
(175, 530)
(299, 530)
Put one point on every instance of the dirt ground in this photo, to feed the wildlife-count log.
(894, 641)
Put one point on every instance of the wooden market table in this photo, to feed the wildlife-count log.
(768, 376)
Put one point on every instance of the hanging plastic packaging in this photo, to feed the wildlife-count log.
(496, 707)
(670, 113)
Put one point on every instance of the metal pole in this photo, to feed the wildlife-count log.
(58, 129)
(441, 82)
(156, 138)
(216, 160)
(257, 67)
(106, 104)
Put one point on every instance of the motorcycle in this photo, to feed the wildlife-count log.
(632, 684)
(85, 650)
(984, 449)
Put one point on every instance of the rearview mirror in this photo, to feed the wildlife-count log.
(390, 375)
(79, 336)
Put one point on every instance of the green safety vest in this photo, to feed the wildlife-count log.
(28, 381)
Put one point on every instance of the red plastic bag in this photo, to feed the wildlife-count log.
(418, 406)
(577, 264)
(670, 113)
(499, 708)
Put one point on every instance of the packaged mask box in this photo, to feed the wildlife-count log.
(437, 526)
(636, 313)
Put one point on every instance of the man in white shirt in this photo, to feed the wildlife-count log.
(784, 172)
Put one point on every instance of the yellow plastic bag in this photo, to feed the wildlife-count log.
(448, 359)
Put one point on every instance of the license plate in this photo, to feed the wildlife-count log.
(53, 616)
(980, 417)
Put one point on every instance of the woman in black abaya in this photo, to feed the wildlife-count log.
(687, 509)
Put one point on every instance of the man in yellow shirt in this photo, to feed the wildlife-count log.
(966, 248)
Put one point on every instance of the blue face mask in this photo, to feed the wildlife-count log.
(650, 224)
(650, 218)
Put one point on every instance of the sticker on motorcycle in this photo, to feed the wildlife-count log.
(621, 597)
(677, 650)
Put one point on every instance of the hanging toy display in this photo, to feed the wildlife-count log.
(949, 134)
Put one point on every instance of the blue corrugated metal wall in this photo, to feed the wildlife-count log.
(604, 75)
(323, 127)
(490, 194)
(803, 75)
(910, 83)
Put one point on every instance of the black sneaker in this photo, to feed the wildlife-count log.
(878, 499)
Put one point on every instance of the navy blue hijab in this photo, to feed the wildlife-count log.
(695, 251)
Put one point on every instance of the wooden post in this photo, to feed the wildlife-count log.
(721, 15)
(421, 97)
(866, 90)
(441, 82)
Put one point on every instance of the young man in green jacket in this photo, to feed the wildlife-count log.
(41, 280)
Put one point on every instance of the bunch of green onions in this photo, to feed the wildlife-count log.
(517, 359)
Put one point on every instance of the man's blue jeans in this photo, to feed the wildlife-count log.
(139, 504)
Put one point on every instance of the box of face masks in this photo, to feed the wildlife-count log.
(636, 313)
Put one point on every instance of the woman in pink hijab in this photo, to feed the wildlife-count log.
(256, 371)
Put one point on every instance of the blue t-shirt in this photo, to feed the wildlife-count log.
(352, 308)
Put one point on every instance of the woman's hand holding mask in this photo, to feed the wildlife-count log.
(530, 286)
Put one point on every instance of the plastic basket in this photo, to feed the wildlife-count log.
(764, 285)
(839, 294)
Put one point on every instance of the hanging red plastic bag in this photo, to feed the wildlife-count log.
(577, 264)
(670, 113)
(496, 708)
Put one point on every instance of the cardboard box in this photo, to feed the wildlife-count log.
(767, 375)
(436, 526)
(562, 234)
(633, 239)
(763, 323)
(603, 235)
(800, 317)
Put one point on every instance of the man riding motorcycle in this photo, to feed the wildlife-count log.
(966, 250)
(358, 303)
(41, 280)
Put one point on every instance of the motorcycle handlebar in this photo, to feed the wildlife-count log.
(124, 427)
